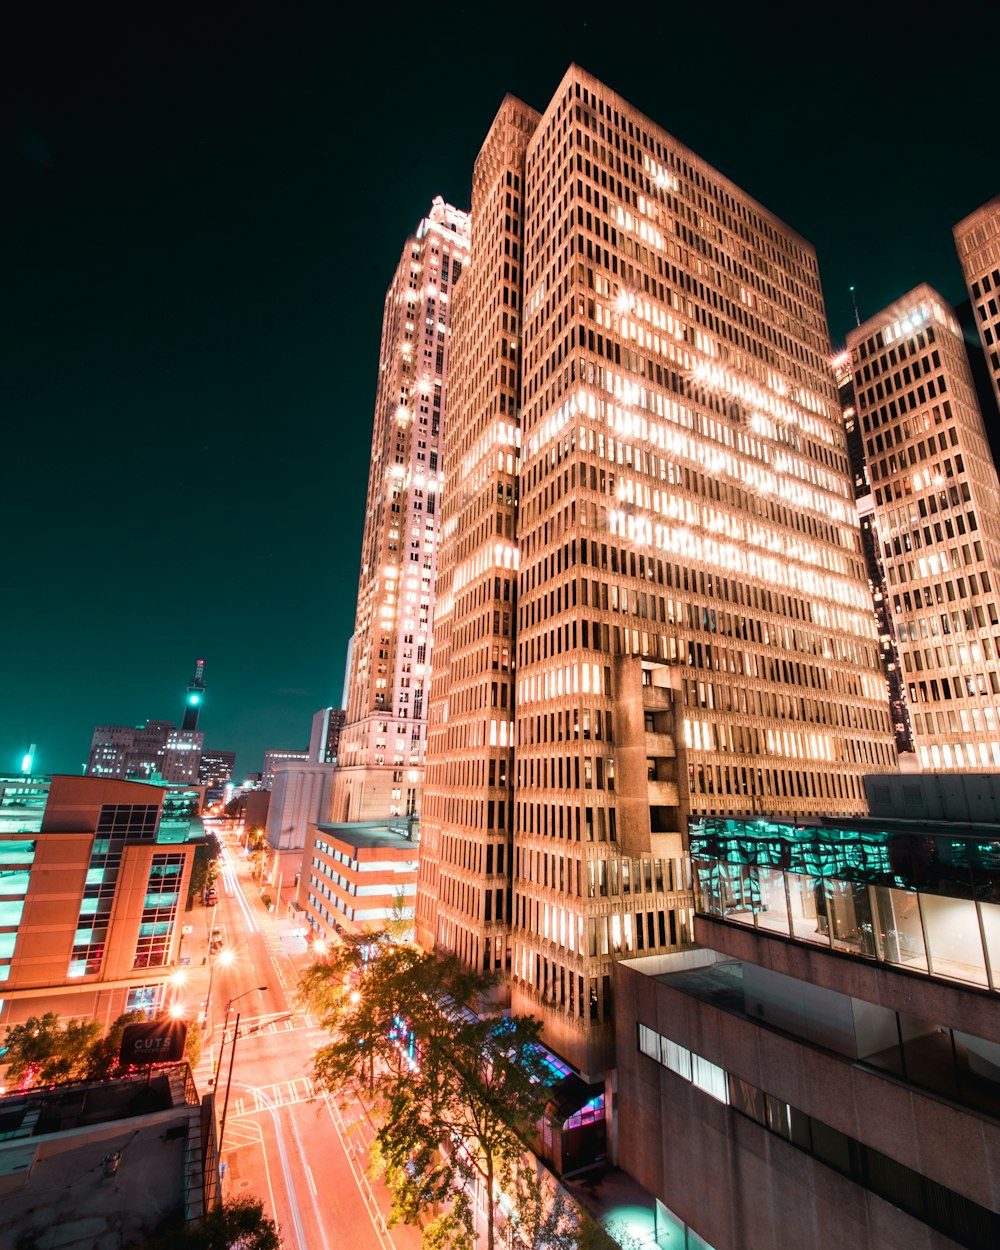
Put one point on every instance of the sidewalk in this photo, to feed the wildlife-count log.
(617, 1202)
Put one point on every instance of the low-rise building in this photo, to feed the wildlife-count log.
(826, 1070)
(92, 900)
(357, 877)
(106, 1162)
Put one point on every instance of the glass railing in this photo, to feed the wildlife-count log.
(927, 903)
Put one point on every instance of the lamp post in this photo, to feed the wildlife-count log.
(225, 1024)
(232, 1057)
(225, 958)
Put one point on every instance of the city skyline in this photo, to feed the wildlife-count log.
(201, 415)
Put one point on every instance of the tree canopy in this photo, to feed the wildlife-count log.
(44, 1051)
(239, 1224)
(458, 1092)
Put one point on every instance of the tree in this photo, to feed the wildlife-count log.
(257, 850)
(239, 1224)
(41, 1050)
(457, 1092)
(102, 1058)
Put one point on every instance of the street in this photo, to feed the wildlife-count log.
(296, 1150)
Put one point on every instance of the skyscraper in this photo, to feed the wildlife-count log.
(382, 743)
(977, 238)
(888, 649)
(937, 516)
(648, 511)
(324, 739)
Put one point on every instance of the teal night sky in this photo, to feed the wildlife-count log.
(201, 211)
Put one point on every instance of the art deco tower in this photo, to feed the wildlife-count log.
(977, 239)
(195, 697)
(646, 480)
(937, 515)
(382, 744)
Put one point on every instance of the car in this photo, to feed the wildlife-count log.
(211, 896)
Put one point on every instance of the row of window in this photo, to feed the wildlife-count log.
(943, 1209)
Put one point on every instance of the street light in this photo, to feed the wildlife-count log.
(232, 1057)
(225, 1024)
(225, 958)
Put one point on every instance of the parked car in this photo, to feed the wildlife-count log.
(211, 896)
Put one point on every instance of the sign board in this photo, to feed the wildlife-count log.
(157, 1041)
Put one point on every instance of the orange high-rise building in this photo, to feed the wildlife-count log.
(382, 743)
(651, 599)
(977, 239)
(937, 521)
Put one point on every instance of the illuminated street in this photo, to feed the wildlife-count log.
(299, 1153)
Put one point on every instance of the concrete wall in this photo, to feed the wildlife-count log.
(739, 1185)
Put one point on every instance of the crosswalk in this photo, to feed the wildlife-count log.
(282, 1094)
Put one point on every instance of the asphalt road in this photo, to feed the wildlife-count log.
(297, 1150)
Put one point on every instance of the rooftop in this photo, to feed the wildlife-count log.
(371, 835)
(96, 1166)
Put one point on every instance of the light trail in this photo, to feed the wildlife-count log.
(293, 1201)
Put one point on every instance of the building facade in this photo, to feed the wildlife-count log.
(324, 741)
(648, 511)
(872, 549)
(91, 916)
(357, 878)
(216, 769)
(383, 741)
(273, 758)
(977, 239)
(156, 749)
(831, 1058)
(936, 509)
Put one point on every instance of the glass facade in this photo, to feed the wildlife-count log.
(925, 901)
(16, 857)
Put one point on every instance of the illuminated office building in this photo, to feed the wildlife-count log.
(648, 511)
(977, 239)
(93, 900)
(872, 549)
(937, 512)
(382, 743)
(324, 740)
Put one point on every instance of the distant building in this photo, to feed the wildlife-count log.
(215, 770)
(977, 239)
(324, 741)
(300, 797)
(154, 750)
(106, 1162)
(936, 512)
(251, 807)
(273, 758)
(93, 899)
(357, 876)
(830, 1058)
(22, 801)
(382, 746)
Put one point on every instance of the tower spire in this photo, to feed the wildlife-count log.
(195, 694)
